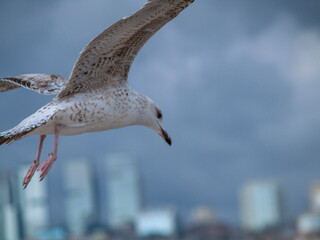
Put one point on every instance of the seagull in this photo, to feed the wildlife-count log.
(96, 97)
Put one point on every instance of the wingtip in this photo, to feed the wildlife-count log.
(2, 139)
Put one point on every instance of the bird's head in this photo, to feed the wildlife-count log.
(152, 118)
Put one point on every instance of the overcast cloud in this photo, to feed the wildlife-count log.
(238, 83)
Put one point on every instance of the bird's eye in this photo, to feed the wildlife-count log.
(159, 114)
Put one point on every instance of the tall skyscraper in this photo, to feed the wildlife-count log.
(261, 205)
(315, 197)
(123, 190)
(80, 199)
(33, 204)
(9, 225)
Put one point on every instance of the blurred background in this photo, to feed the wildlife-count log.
(238, 83)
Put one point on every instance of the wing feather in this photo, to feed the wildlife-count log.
(106, 60)
(41, 83)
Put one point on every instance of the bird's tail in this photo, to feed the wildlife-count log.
(12, 135)
(27, 126)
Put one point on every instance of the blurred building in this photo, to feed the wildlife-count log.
(123, 190)
(34, 205)
(308, 223)
(204, 225)
(261, 206)
(51, 234)
(80, 198)
(208, 231)
(156, 222)
(203, 215)
(315, 197)
(9, 224)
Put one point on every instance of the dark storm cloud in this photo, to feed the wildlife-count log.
(237, 82)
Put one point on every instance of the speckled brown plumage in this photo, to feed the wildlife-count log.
(106, 60)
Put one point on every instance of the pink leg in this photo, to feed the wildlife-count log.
(35, 164)
(47, 164)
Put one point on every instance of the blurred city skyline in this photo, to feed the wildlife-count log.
(111, 205)
(238, 84)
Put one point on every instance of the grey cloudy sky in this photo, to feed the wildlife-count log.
(238, 83)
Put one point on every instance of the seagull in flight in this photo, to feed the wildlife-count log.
(97, 96)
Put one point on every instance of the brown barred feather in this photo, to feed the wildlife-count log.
(41, 83)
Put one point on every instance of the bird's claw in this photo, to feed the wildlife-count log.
(46, 166)
(30, 174)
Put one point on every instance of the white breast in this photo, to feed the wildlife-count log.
(90, 113)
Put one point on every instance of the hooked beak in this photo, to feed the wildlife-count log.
(165, 136)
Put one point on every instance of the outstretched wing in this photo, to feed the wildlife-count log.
(106, 60)
(41, 83)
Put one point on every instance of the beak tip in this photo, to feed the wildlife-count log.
(169, 141)
(165, 136)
